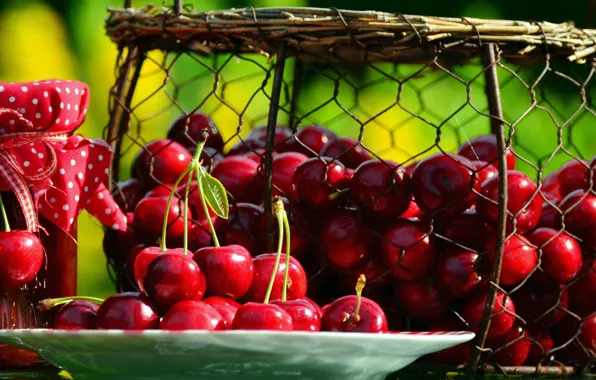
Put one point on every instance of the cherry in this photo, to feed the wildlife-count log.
(316, 179)
(228, 269)
(282, 136)
(76, 315)
(484, 148)
(258, 156)
(225, 307)
(349, 151)
(413, 212)
(581, 292)
(408, 247)
(305, 314)
(345, 244)
(383, 187)
(354, 314)
(572, 176)
(587, 334)
(21, 257)
(159, 191)
(128, 193)
(150, 212)
(523, 201)
(549, 214)
(578, 213)
(142, 260)
(561, 254)
(192, 315)
(186, 130)
(541, 304)
(484, 170)
(543, 343)
(263, 269)
(551, 187)
(444, 183)
(243, 227)
(284, 166)
(466, 230)
(457, 271)
(513, 347)
(301, 238)
(519, 259)
(240, 177)
(502, 316)
(420, 300)
(310, 140)
(246, 146)
(127, 311)
(161, 161)
(375, 271)
(460, 354)
(172, 278)
(261, 316)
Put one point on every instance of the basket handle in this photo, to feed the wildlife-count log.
(177, 5)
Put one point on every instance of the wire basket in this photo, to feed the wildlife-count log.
(440, 106)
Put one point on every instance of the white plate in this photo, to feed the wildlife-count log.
(152, 354)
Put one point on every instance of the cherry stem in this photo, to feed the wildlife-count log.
(355, 317)
(205, 208)
(4, 216)
(169, 204)
(185, 240)
(284, 291)
(337, 194)
(278, 208)
(48, 303)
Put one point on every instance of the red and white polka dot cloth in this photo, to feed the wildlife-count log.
(66, 174)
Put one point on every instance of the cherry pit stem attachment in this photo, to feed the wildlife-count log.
(355, 316)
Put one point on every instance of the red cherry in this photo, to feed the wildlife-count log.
(21, 256)
(561, 254)
(161, 161)
(581, 292)
(282, 136)
(549, 214)
(572, 176)
(149, 215)
(316, 179)
(186, 130)
(578, 213)
(460, 354)
(263, 269)
(349, 151)
(502, 316)
(192, 315)
(242, 227)
(76, 315)
(340, 316)
(541, 304)
(420, 300)
(258, 156)
(159, 191)
(284, 166)
(228, 269)
(225, 307)
(444, 183)
(484, 170)
(345, 244)
(128, 193)
(513, 347)
(127, 311)
(523, 202)
(413, 212)
(301, 238)
(408, 247)
(240, 177)
(466, 230)
(551, 187)
(376, 273)
(260, 316)
(587, 334)
(484, 148)
(306, 316)
(543, 343)
(144, 258)
(172, 278)
(117, 243)
(519, 259)
(457, 271)
(310, 140)
(383, 187)
(131, 258)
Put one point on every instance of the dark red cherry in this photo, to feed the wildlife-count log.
(349, 151)
(523, 201)
(172, 278)
(382, 187)
(128, 193)
(572, 176)
(345, 244)
(283, 135)
(484, 148)
(263, 270)
(310, 140)
(543, 343)
(159, 191)
(551, 187)
(465, 231)
(284, 166)
(340, 316)
(376, 272)
(549, 214)
(76, 315)
(150, 212)
(457, 271)
(306, 316)
(408, 248)
(144, 258)
(161, 161)
(444, 183)
(21, 257)
(240, 177)
(519, 259)
(581, 293)
(127, 311)
(225, 307)
(502, 316)
(484, 170)
(243, 227)
(541, 304)
(578, 213)
(192, 315)
(420, 300)
(131, 258)
(460, 354)
(228, 269)
(260, 316)
(561, 254)
(316, 179)
(301, 231)
(186, 130)
(511, 349)
(587, 334)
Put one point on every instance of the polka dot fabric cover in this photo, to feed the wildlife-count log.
(77, 183)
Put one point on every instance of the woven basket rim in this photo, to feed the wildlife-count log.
(379, 36)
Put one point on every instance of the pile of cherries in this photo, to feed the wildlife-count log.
(422, 235)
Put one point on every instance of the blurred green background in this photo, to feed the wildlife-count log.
(65, 39)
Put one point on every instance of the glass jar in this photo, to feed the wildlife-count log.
(57, 278)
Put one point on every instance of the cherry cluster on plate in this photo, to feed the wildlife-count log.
(423, 235)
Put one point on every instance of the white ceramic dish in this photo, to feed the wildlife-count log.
(155, 354)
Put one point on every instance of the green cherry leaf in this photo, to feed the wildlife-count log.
(215, 194)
